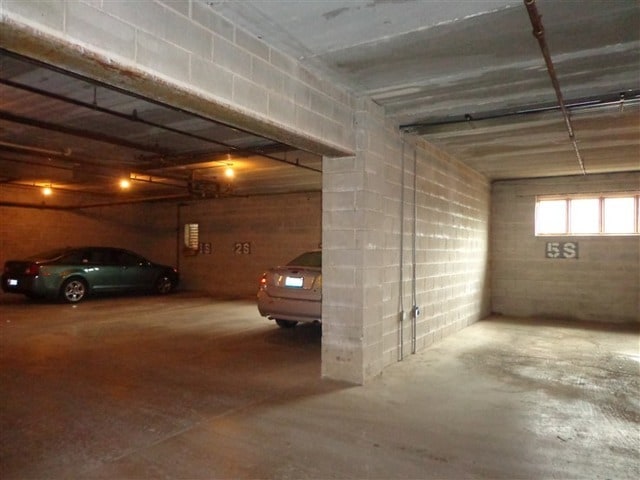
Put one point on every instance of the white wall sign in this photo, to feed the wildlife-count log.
(562, 250)
(242, 248)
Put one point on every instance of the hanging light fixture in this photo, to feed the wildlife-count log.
(228, 172)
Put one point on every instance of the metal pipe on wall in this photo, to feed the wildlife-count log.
(414, 325)
(401, 288)
(538, 32)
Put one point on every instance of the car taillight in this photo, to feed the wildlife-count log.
(33, 269)
(263, 280)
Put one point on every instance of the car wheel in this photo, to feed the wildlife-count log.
(164, 284)
(73, 290)
(286, 323)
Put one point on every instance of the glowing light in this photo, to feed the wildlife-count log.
(229, 173)
(46, 191)
(125, 184)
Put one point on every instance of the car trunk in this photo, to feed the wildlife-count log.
(295, 283)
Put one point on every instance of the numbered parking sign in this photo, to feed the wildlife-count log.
(562, 250)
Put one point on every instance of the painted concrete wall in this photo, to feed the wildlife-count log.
(247, 236)
(602, 284)
(369, 213)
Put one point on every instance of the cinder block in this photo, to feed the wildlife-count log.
(297, 91)
(163, 57)
(95, 27)
(211, 78)
(342, 362)
(343, 200)
(263, 73)
(250, 96)
(50, 13)
(198, 41)
(281, 109)
(202, 14)
(322, 104)
(307, 120)
(150, 17)
(231, 57)
(345, 238)
(252, 44)
(180, 6)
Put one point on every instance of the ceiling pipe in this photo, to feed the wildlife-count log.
(629, 98)
(43, 206)
(538, 32)
(77, 132)
(61, 153)
(98, 170)
(134, 117)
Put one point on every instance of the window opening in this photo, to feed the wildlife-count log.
(611, 214)
(619, 215)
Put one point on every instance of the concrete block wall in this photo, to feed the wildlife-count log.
(183, 53)
(368, 220)
(452, 245)
(270, 229)
(602, 284)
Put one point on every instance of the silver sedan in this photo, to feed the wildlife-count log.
(293, 293)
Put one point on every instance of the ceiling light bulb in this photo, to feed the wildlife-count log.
(229, 173)
(46, 191)
(124, 184)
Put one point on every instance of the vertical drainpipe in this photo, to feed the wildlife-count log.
(401, 292)
(178, 239)
(414, 325)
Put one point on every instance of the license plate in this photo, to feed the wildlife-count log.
(295, 282)
(12, 282)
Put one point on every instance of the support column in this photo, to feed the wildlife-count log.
(353, 253)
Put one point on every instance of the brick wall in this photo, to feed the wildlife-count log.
(247, 236)
(603, 284)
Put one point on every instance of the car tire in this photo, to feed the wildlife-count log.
(286, 323)
(164, 284)
(73, 290)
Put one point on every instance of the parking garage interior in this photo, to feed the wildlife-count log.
(412, 142)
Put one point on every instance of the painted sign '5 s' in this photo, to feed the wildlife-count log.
(562, 250)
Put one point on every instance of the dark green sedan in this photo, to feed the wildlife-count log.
(71, 274)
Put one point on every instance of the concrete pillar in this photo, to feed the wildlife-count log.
(353, 254)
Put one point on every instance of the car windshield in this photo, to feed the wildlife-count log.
(48, 255)
(308, 259)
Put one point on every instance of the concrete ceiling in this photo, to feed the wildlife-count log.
(468, 76)
(75, 134)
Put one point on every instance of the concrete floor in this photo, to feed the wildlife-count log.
(190, 387)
